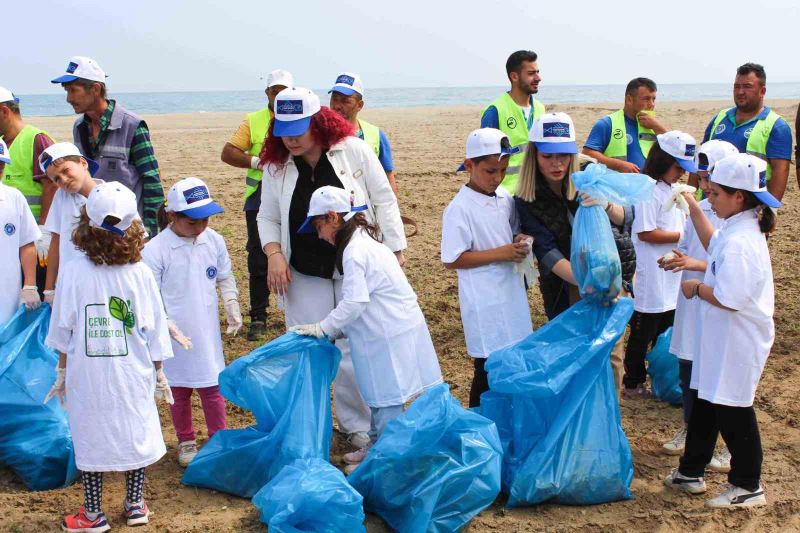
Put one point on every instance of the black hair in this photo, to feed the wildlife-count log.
(87, 85)
(515, 60)
(345, 233)
(658, 162)
(635, 83)
(766, 216)
(163, 218)
(13, 106)
(756, 69)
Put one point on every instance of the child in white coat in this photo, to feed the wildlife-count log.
(391, 347)
(190, 261)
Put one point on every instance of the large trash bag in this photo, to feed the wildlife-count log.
(286, 384)
(310, 495)
(553, 398)
(593, 254)
(664, 371)
(35, 440)
(433, 468)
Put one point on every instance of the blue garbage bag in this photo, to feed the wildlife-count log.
(553, 398)
(310, 495)
(664, 371)
(602, 183)
(433, 468)
(35, 439)
(286, 384)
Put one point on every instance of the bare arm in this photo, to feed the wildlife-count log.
(563, 269)
(610, 162)
(659, 236)
(52, 263)
(28, 259)
(515, 252)
(780, 177)
(392, 181)
(695, 287)
(703, 226)
(235, 157)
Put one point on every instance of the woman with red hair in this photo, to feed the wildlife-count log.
(309, 147)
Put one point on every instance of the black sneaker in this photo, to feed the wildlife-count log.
(258, 328)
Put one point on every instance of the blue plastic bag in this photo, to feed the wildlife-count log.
(310, 495)
(286, 384)
(553, 398)
(602, 183)
(664, 370)
(433, 468)
(35, 440)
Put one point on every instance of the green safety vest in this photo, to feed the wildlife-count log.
(19, 173)
(259, 126)
(372, 135)
(759, 135)
(618, 142)
(512, 123)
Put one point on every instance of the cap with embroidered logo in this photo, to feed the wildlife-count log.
(5, 157)
(712, 151)
(294, 108)
(191, 197)
(681, 146)
(326, 199)
(112, 199)
(82, 67)
(7, 96)
(348, 83)
(487, 141)
(280, 77)
(554, 133)
(56, 151)
(746, 172)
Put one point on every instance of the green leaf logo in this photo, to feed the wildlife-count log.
(120, 309)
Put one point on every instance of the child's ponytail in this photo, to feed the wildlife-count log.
(162, 218)
(766, 219)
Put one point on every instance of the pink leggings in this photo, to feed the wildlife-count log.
(213, 410)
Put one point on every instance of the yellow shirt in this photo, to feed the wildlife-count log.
(241, 138)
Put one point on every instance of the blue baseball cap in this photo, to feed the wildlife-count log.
(191, 197)
(56, 151)
(554, 133)
(348, 83)
(4, 155)
(327, 199)
(80, 67)
(487, 141)
(680, 146)
(294, 108)
(746, 172)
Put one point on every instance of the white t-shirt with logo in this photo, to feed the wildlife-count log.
(63, 217)
(187, 271)
(493, 300)
(734, 343)
(655, 290)
(18, 229)
(110, 322)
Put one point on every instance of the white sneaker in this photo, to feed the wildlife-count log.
(721, 462)
(675, 445)
(735, 497)
(359, 439)
(692, 485)
(186, 452)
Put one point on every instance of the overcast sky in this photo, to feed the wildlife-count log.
(150, 45)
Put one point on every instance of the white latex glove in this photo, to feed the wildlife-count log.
(309, 330)
(255, 164)
(43, 246)
(677, 198)
(59, 389)
(234, 315)
(163, 392)
(527, 268)
(589, 201)
(49, 296)
(178, 336)
(29, 297)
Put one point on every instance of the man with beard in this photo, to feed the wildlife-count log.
(515, 111)
(242, 151)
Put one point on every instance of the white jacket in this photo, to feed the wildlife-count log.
(359, 170)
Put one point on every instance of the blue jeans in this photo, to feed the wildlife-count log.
(685, 372)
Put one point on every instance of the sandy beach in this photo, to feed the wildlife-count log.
(428, 145)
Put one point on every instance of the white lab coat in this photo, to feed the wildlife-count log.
(18, 229)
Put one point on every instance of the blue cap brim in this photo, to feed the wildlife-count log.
(557, 148)
(343, 90)
(66, 78)
(766, 198)
(687, 164)
(461, 168)
(307, 226)
(204, 211)
(293, 128)
(4, 159)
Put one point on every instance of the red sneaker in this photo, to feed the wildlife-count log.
(136, 515)
(80, 523)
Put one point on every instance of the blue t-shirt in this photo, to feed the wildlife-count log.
(490, 119)
(384, 150)
(779, 144)
(601, 135)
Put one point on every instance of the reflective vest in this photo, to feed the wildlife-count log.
(259, 127)
(618, 142)
(512, 122)
(19, 173)
(758, 138)
(371, 135)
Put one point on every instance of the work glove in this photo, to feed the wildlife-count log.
(59, 388)
(526, 268)
(29, 297)
(178, 336)
(43, 246)
(234, 315)
(677, 198)
(163, 391)
(309, 330)
(589, 201)
(49, 296)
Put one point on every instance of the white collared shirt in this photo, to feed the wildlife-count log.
(18, 229)
(63, 218)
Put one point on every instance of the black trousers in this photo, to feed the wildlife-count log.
(480, 382)
(645, 329)
(257, 269)
(739, 429)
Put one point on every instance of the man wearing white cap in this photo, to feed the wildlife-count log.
(241, 151)
(347, 99)
(116, 138)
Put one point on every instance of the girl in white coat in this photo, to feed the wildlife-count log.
(391, 347)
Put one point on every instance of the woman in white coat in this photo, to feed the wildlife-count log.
(308, 147)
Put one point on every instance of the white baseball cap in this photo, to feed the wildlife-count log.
(487, 141)
(5, 157)
(326, 199)
(7, 96)
(746, 172)
(82, 67)
(191, 197)
(294, 108)
(348, 83)
(681, 146)
(713, 151)
(280, 77)
(554, 133)
(115, 200)
(58, 150)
